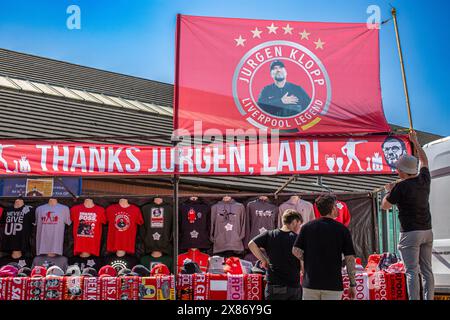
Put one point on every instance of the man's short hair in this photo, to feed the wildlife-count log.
(276, 63)
(325, 204)
(393, 139)
(290, 215)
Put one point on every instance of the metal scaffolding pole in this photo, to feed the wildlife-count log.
(400, 53)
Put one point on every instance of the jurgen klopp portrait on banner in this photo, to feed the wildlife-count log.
(393, 149)
(282, 98)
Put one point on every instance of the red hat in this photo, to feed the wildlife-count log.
(233, 266)
(160, 269)
(372, 263)
(38, 271)
(107, 271)
(8, 271)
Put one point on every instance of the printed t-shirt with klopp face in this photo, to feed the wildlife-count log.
(122, 227)
(87, 228)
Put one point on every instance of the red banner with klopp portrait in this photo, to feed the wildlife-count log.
(292, 78)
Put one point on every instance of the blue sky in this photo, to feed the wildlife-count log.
(137, 38)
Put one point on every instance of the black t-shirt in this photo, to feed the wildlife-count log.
(89, 262)
(411, 197)
(284, 268)
(323, 242)
(119, 263)
(17, 225)
(270, 100)
(21, 262)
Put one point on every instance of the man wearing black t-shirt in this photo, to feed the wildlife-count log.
(282, 98)
(416, 237)
(283, 269)
(320, 247)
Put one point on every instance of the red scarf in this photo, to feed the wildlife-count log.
(201, 286)
(91, 288)
(253, 287)
(17, 288)
(165, 287)
(109, 288)
(128, 288)
(235, 287)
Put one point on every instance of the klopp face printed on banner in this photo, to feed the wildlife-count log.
(278, 73)
(282, 98)
(393, 149)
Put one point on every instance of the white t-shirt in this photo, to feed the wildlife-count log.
(51, 221)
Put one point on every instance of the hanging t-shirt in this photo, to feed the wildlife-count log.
(305, 208)
(149, 261)
(89, 262)
(157, 228)
(47, 262)
(122, 227)
(262, 216)
(18, 226)
(343, 213)
(87, 228)
(195, 224)
(51, 221)
(227, 226)
(195, 256)
(119, 263)
(21, 262)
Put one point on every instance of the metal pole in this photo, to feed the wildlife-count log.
(175, 141)
(394, 228)
(281, 188)
(175, 231)
(175, 224)
(405, 85)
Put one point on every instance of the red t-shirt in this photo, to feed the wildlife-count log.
(1, 211)
(122, 227)
(195, 256)
(87, 228)
(343, 213)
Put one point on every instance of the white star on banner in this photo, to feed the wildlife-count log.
(288, 29)
(22, 263)
(228, 227)
(240, 41)
(256, 33)
(262, 230)
(90, 263)
(319, 44)
(305, 35)
(272, 28)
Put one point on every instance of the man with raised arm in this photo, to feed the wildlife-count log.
(411, 196)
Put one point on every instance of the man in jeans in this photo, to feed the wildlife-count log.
(416, 237)
(283, 281)
(320, 247)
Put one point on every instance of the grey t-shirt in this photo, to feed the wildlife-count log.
(47, 262)
(51, 221)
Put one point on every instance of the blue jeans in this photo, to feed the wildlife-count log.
(415, 249)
